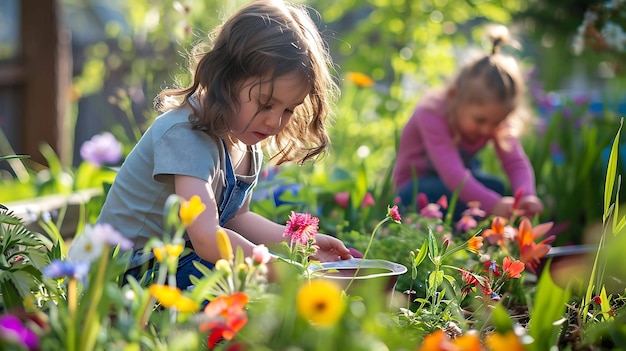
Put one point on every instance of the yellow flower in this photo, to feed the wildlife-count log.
(223, 244)
(169, 250)
(190, 210)
(171, 297)
(360, 79)
(504, 342)
(319, 301)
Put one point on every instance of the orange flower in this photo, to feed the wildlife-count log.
(531, 253)
(512, 269)
(475, 243)
(439, 341)
(495, 235)
(226, 317)
(360, 79)
(504, 342)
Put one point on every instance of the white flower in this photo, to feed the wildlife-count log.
(84, 249)
(261, 254)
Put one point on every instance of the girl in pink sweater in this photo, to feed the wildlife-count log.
(449, 127)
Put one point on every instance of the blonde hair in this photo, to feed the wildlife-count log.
(494, 77)
(263, 40)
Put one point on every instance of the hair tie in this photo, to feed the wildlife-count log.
(496, 46)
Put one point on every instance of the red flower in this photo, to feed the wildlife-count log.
(597, 299)
(492, 266)
(422, 201)
(394, 214)
(531, 253)
(226, 317)
(301, 227)
(512, 269)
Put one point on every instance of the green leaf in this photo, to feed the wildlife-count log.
(421, 254)
(610, 172)
(550, 306)
(501, 319)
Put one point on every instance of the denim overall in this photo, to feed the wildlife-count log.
(233, 196)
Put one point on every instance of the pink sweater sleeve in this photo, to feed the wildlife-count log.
(517, 166)
(447, 162)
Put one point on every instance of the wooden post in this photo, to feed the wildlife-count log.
(46, 69)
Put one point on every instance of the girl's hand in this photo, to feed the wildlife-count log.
(530, 205)
(330, 249)
(504, 207)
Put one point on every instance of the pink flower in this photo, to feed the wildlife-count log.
(466, 223)
(301, 227)
(342, 199)
(13, 330)
(443, 202)
(368, 201)
(431, 211)
(261, 254)
(394, 214)
(474, 210)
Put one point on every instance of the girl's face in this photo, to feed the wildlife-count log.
(476, 121)
(263, 112)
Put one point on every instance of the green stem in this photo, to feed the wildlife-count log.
(92, 322)
(367, 249)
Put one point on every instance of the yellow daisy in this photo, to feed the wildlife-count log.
(319, 301)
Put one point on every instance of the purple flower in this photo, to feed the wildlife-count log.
(105, 233)
(59, 268)
(100, 149)
(12, 330)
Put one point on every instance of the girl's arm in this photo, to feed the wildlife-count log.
(245, 230)
(263, 231)
(202, 231)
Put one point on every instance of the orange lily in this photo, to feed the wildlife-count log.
(531, 253)
(495, 235)
(474, 244)
(440, 341)
(512, 269)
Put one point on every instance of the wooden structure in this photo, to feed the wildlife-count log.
(34, 84)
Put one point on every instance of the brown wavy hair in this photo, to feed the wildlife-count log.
(264, 39)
